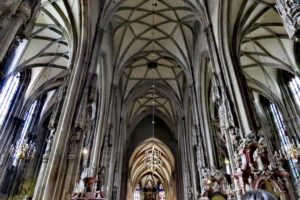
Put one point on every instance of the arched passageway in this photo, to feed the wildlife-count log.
(151, 168)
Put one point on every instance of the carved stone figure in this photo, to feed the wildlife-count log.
(289, 11)
(257, 157)
(216, 187)
(248, 186)
(278, 160)
(73, 142)
(50, 142)
(238, 163)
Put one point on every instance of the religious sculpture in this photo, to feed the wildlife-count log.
(289, 10)
(214, 183)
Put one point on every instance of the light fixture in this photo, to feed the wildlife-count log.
(85, 151)
(153, 158)
(227, 165)
(209, 181)
(291, 152)
(22, 150)
(153, 155)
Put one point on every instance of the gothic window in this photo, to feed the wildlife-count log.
(7, 94)
(26, 126)
(294, 85)
(137, 193)
(284, 140)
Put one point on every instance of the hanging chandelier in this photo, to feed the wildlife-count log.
(153, 155)
(291, 152)
(22, 150)
(153, 159)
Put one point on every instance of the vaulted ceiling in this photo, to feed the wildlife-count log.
(157, 32)
(51, 47)
(139, 169)
(264, 46)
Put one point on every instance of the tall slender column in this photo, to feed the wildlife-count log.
(52, 127)
(56, 163)
(75, 147)
(233, 86)
(74, 152)
(12, 26)
(99, 136)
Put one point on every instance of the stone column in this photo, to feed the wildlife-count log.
(52, 127)
(75, 147)
(232, 88)
(41, 178)
(13, 22)
(99, 136)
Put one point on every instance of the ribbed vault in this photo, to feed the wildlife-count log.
(264, 47)
(158, 32)
(51, 46)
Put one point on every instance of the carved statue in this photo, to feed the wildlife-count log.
(216, 187)
(49, 142)
(289, 11)
(214, 181)
(248, 186)
(73, 143)
(257, 157)
(238, 163)
(278, 160)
